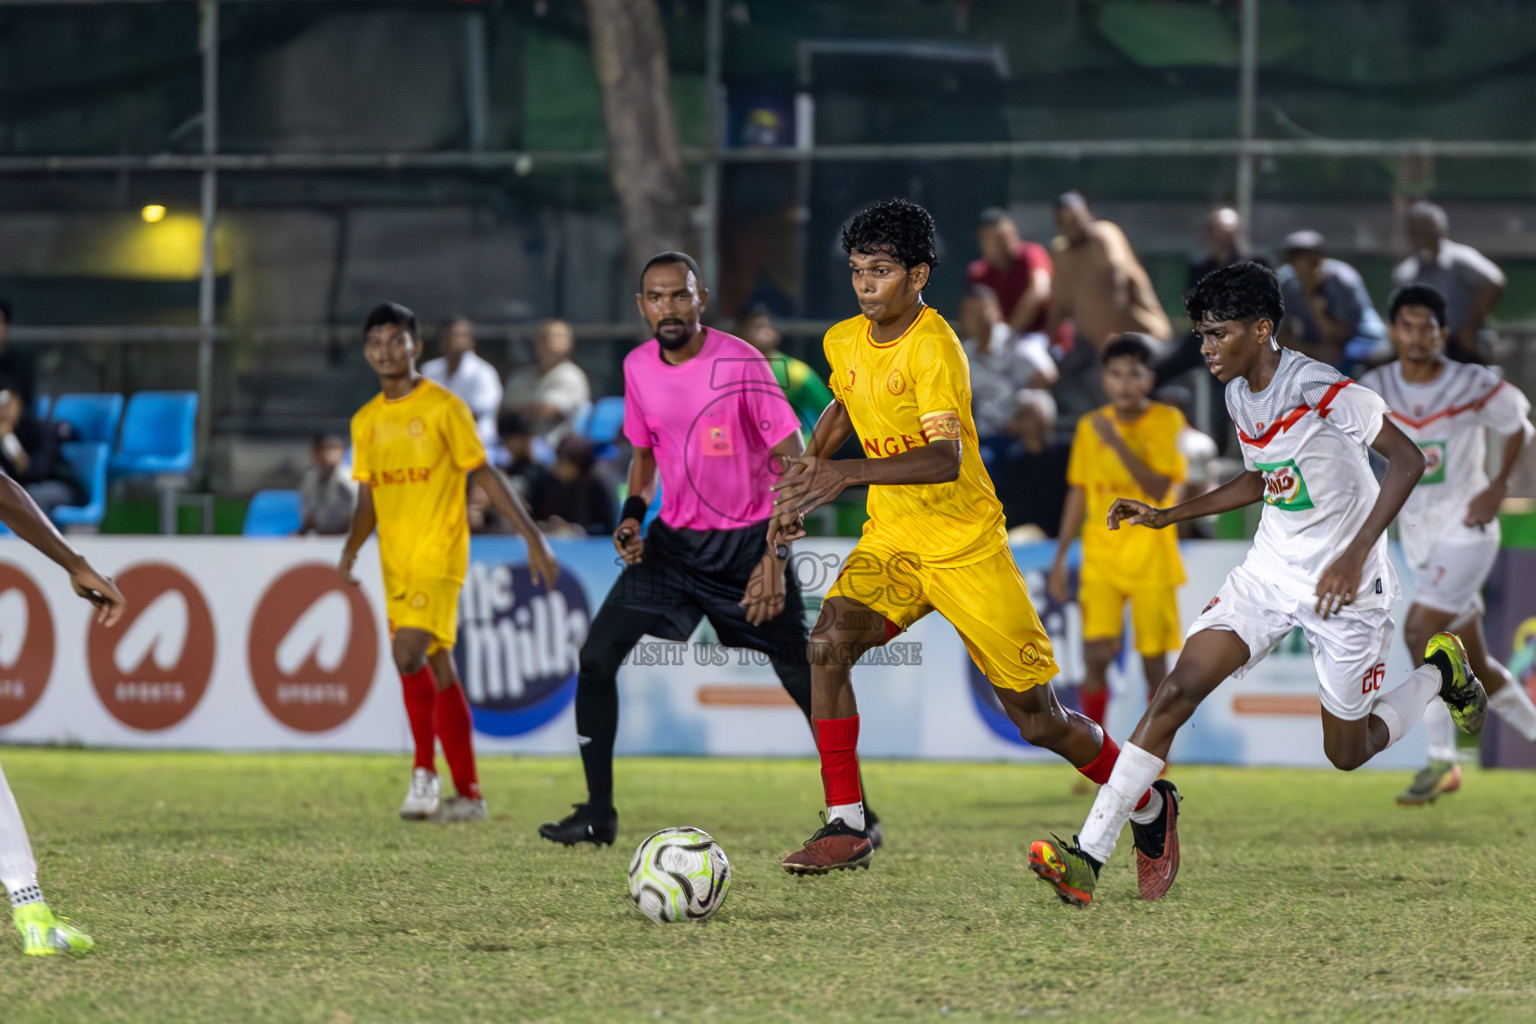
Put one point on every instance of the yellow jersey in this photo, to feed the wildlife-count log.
(413, 452)
(901, 395)
(1131, 554)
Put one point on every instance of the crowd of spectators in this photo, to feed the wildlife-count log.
(1036, 319)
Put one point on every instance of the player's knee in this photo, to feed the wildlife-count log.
(598, 661)
(1041, 728)
(410, 657)
(1174, 698)
(1345, 758)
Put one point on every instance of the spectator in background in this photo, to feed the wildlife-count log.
(1002, 362)
(1224, 246)
(1031, 478)
(31, 454)
(1470, 281)
(806, 392)
(17, 374)
(550, 393)
(521, 468)
(1329, 315)
(461, 370)
(1017, 272)
(571, 500)
(1100, 285)
(327, 492)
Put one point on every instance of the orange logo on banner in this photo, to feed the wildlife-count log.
(152, 668)
(26, 644)
(313, 648)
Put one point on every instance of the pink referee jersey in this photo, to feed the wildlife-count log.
(712, 423)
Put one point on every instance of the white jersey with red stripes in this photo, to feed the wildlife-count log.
(1449, 418)
(1309, 432)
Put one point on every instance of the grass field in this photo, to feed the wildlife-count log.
(282, 888)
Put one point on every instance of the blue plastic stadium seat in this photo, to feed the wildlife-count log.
(158, 434)
(41, 406)
(607, 420)
(604, 426)
(94, 417)
(89, 459)
(274, 514)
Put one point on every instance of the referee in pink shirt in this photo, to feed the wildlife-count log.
(703, 408)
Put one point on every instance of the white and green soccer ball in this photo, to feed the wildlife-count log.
(679, 874)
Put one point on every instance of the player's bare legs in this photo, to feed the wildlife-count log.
(1207, 660)
(1154, 667)
(1098, 655)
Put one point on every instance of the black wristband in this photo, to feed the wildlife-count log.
(635, 507)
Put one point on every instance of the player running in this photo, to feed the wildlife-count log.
(702, 408)
(43, 933)
(1450, 524)
(1130, 446)
(411, 446)
(1318, 562)
(934, 540)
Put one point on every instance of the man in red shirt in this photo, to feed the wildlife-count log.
(1018, 272)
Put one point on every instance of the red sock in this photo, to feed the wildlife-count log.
(456, 729)
(1099, 768)
(1094, 703)
(420, 701)
(838, 741)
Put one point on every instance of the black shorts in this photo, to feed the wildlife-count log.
(686, 575)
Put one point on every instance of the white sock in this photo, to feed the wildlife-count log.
(1134, 772)
(1515, 707)
(18, 868)
(1403, 705)
(1440, 731)
(1148, 814)
(852, 815)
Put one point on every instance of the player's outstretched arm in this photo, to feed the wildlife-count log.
(364, 519)
(833, 427)
(26, 520)
(1239, 492)
(1484, 507)
(541, 560)
(1073, 511)
(819, 480)
(1405, 465)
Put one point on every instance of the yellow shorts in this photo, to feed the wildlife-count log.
(1154, 614)
(427, 603)
(986, 601)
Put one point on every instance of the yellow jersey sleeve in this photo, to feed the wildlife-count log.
(1080, 463)
(362, 455)
(942, 383)
(830, 348)
(460, 435)
(1163, 455)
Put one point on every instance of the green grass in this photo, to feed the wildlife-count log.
(282, 888)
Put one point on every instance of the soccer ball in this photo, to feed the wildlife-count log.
(679, 874)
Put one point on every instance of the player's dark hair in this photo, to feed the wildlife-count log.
(1424, 295)
(672, 256)
(897, 226)
(510, 423)
(1130, 345)
(992, 216)
(1245, 291)
(392, 313)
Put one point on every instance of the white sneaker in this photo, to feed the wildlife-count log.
(458, 808)
(425, 797)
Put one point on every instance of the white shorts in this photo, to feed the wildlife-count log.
(1452, 580)
(1349, 648)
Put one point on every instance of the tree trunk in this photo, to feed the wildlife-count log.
(645, 162)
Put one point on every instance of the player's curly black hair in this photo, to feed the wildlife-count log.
(1417, 295)
(1245, 291)
(896, 226)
